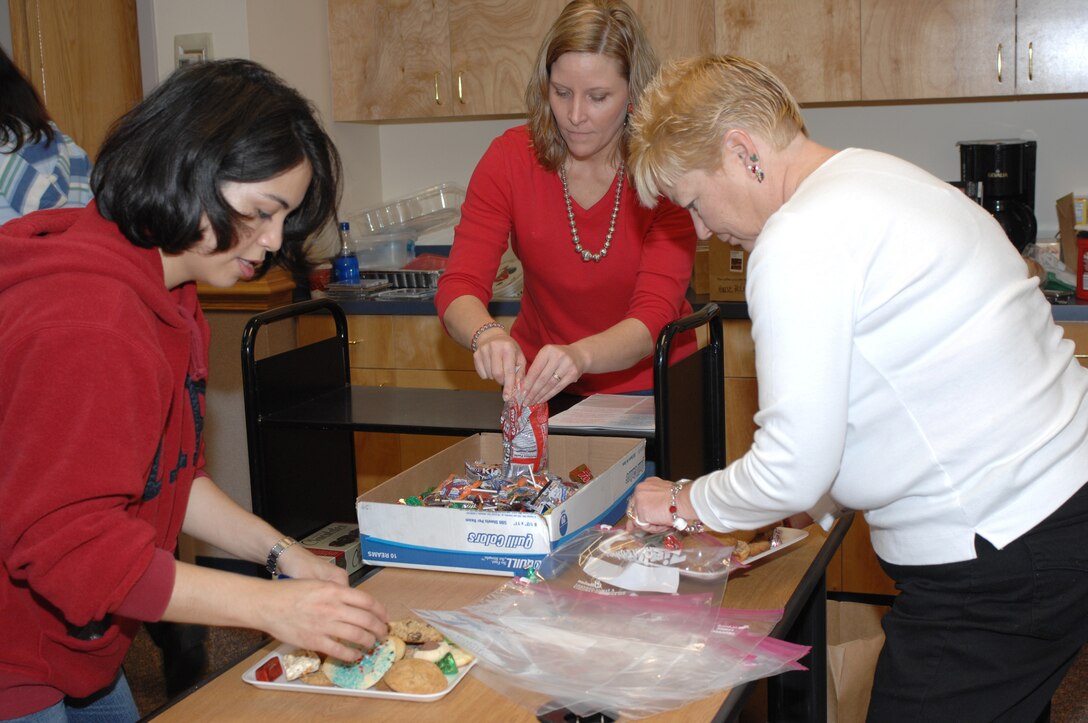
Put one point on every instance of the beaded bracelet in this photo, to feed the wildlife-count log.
(679, 522)
(481, 330)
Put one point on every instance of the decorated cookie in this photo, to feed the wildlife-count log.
(364, 672)
(414, 631)
(431, 651)
(415, 675)
(300, 663)
(461, 656)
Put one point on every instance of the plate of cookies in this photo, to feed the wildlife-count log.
(414, 662)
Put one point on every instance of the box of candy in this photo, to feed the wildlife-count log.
(434, 517)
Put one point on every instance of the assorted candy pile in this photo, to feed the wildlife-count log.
(521, 483)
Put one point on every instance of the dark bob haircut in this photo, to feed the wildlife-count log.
(164, 162)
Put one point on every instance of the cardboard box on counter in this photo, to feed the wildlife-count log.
(494, 543)
(338, 541)
(1072, 211)
(700, 272)
(728, 271)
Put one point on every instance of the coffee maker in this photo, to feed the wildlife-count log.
(1000, 175)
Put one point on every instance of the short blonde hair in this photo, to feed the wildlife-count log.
(606, 27)
(691, 105)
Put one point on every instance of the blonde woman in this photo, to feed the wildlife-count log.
(908, 368)
(603, 274)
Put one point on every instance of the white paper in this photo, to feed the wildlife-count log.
(629, 412)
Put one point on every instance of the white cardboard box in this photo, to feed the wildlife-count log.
(494, 543)
(338, 541)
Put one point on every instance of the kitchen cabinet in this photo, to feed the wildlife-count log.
(971, 48)
(418, 59)
(814, 47)
(401, 59)
(82, 58)
(403, 351)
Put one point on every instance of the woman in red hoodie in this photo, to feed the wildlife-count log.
(217, 175)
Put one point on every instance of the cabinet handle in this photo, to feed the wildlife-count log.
(437, 99)
(999, 48)
(1080, 356)
(1031, 61)
(460, 90)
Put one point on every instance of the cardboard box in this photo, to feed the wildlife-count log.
(700, 272)
(728, 271)
(494, 543)
(339, 541)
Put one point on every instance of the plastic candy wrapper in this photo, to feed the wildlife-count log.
(524, 437)
(549, 645)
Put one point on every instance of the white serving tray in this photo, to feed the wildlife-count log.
(786, 537)
(297, 686)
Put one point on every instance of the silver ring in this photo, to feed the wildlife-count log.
(555, 375)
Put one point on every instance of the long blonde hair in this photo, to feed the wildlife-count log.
(689, 107)
(607, 27)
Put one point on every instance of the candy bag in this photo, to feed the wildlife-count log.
(524, 438)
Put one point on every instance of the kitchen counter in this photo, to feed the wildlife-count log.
(1075, 312)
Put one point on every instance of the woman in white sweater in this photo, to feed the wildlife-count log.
(909, 368)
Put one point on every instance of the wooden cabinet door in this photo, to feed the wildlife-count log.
(814, 47)
(84, 60)
(493, 44)
(937, 49)
(389, 59)
(677, 28)
(1051, 50)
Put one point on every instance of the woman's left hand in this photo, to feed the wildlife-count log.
(648, 508)
(553, 370)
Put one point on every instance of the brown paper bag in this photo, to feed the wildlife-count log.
(854, 640)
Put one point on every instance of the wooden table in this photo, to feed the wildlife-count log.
(791, 579)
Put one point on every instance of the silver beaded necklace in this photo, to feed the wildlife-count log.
(586, 255)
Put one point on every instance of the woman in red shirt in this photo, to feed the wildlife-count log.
(602, 274)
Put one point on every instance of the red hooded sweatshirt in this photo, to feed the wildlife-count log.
(102, 375)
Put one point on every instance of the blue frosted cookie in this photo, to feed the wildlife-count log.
(364, 672)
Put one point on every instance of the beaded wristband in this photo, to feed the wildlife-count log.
(679, 522)
(481, 330)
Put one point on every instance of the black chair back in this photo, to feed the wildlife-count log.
(689, 399)
(300, 479)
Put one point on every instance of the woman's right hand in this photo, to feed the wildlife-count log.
(500, 358)
(322, 616)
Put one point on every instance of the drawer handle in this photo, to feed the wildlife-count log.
(460, 89)
(1031, 61)
(437, 99)
(999, 48)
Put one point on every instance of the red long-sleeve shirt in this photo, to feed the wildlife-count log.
(644, 276)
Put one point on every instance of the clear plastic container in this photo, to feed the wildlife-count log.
(385, 250)
(427, 210)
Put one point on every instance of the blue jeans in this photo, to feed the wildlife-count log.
(110, 705)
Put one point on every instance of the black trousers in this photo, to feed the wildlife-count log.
(988, 639)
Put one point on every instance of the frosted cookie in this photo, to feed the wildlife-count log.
(364, 672)
(300, 663)
(414, 675)
(414, 631)
(461, 656)
(431, 651)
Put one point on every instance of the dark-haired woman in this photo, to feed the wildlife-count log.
(40, 166)
(218, 174)
(603, 274)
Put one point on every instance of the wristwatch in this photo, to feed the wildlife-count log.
(273, 562)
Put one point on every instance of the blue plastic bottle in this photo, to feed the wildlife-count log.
(345, 266)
